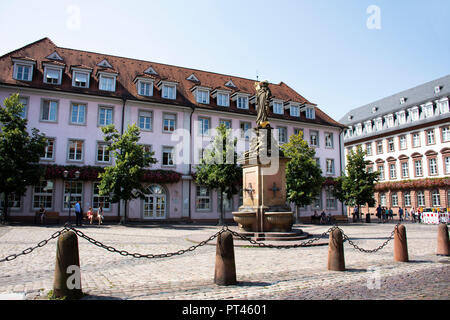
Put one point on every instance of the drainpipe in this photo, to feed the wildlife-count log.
(190, 162)
(341, 160)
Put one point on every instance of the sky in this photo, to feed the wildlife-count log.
(339, 54)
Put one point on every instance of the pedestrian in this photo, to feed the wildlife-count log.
(79, 213)
(406, 214)
(419, 214)
(413, 215)
(90, 215)
(379, 213)
(383, 214)
(400, 214)
(42, 213)
(100, 213)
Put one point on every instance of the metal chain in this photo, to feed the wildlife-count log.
(302, 244)
(147, 256)
(346, 238)
(39, 245)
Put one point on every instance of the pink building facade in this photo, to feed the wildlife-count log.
(69, 95)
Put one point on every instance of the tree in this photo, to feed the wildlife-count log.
(219, 169)
(123, 180)
(303, 176)
(20, 152)
(357, 186)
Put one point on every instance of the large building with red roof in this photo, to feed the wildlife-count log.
(71, 94)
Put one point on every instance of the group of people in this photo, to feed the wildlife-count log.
(384, 214)
(323, 218)
(91, 214)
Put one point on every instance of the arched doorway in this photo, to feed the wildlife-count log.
(155, 203)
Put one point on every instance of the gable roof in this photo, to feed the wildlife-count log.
(128, 69)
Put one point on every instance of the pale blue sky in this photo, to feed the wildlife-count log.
(322, 49)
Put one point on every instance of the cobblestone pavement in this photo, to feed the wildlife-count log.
(261, 273)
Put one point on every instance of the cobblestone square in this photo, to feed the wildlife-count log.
(262, 273)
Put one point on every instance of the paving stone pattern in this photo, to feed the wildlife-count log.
(261, 273)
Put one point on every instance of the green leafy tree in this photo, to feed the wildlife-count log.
(219, 169)
(303, 176)
(20, 152)
(357, 186)
(123, 180)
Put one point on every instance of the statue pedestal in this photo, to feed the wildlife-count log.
(264, 206)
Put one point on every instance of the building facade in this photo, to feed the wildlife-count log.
(407, 139)
(69, 95)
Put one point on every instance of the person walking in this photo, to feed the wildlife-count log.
(383, 214)
(400, 213)
(79, 213)
(379, 213)
(42, 213)
(413, 215)
(406, 214)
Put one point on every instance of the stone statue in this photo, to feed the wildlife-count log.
(263, 96)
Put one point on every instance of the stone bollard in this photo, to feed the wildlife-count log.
(336, 260)
(67, 282)
(225, 271)
(400, 244)
(443, 245)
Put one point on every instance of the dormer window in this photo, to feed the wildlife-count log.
(202, 96)
(437, 89)
(53, 73)
(310, 113)
(390, 120)
(295, 111)
(358, 128)
(368, 126)
(278, 107)
(414, 113)
(80, 79)
(443, 106)
(428, 110)
(379, 124)
(23, 69)
(401, 116)
(223, 99)
(168, 89)
(242, 102)
(107, 82)
(402, 100)
(145, 88)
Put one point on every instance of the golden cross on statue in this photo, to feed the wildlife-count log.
(275, 189)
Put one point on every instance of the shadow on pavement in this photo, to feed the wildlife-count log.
(253, 284)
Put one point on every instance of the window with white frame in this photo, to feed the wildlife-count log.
(98, 199)
(245, 130)
(418, 168)
(49, 149)
(202, 96)
(446, 134)
(379, 124)
(52, 75)
(298, 130)
(317, 202)
(405, 170)
(433, 166)
(394, 198)
(383, 199)
(330, 166)
(401, 116)
(447, 165)
(78, 114)
(23, 72)
(317, 162)
(380, 169)
(168, 156)
(430, 137)
(435, 198)
(204, 124)
(148, 150)
(43, 195)
(310, 113)
(329, 140)
(358, 128)
(75, 150)
(368, 126)
(330, 198)
(169, 122)
(228, 203)
(242, 102)
(80, 79)
(390, 120)
(414, 114)
(428, 110)
(420, 199)
(145, 88)
(227, 123)
(145, 120)
(295, 111)
(49, 110)
(403, 142)
(314, 138)
(203, 198)
(73, 192)
(107, 83)
(379, 147)
(416, 139)
(443, 106)
(369, 149)
(14, 201)
(391, 145)
(393, 171)
(24, 102)
(103, 154)
(282, 135)
(169, 91)
(278, 107)
(223, 99)
(105, 116)
(407, 199)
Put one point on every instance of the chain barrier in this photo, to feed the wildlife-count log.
(97, 243)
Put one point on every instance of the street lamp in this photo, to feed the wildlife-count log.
(66, 177)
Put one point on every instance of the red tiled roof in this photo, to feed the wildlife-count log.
(128, 69)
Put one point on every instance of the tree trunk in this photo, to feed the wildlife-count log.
(296, 214)
(5, 209)
(221, 208)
